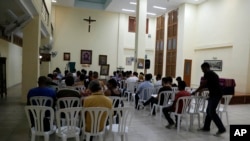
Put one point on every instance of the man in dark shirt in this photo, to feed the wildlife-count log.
(211, 81)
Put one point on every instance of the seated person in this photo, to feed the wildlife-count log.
(96, 77)
(166, 86)
(166, 111)
(41, 90)
(146, 84)
(158, 80)
(113, 90)
(96, 99)
(69, 90)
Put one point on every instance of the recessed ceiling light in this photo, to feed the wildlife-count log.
(128, 10)
(151, 13)
(158, 7)
(54, 1)
(134, 3)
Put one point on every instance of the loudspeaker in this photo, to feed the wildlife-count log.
(147, 64)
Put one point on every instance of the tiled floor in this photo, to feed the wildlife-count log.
(14, 126)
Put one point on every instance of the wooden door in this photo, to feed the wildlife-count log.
(187, 71)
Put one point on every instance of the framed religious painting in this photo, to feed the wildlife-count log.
(140, 63)
(104, 70)
(66, 56)
(86, 57)
(102, 59)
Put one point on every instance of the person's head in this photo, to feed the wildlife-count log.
(166, 80)
(178, 79)
(181, 85)
(135, 74)
(78, 73)
(84, 71)
(69, 81)
(50, 75)
(82, 77)
(112, 83)
(95, 75)
(42, 81)
(94, 86)
(205, 67)
(141, 77)
(158, 77)
(148, 77)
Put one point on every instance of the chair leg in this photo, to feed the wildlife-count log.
(199, 121)
(77, 138)
(160, 114)
(101, 138)
(227, 118)
(33, 137)
(87, 137)
(46, 137)
(178, 124)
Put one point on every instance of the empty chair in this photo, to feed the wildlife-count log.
(222, 108)
(71, 127)
(40, 120)
(181, 110)
(194, 108)
(42, 101)
(94, 121)
(130, 90)
(165, 100)
(121, 128)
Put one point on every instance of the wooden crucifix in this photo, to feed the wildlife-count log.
(89, 20)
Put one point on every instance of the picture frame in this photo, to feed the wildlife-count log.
(104, 70)
(103, 59)
(86, 57)
(215, 65)
(140, 63)
(66, 56)
(46, 57)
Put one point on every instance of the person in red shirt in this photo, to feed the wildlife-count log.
(166, 111)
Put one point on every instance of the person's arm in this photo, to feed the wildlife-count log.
(202, 85)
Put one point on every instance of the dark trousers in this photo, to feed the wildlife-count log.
(151, 101)
(136, 100)
(166, 111)
(212, 115)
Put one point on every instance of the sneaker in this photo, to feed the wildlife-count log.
(170, 126)
(219, 133)
(204, 130)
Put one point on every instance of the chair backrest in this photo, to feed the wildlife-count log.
(41, 101)
(80, 88)
(71, 120)
(131, 86)
(175, 89)
(166, 97)
(226, 100)
(157, 88)
(67, 102)
(94, 119)
(124, 117)
(117, 101)
(182, 104)
(205, 93)
(197, 104)
(40, 117)
(147, 92)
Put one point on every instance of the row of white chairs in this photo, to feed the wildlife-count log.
(74, 122)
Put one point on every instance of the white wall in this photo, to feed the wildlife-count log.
(109, 36)
(221, 23)
(13, 53)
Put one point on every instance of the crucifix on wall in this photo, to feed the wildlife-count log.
(89, 20)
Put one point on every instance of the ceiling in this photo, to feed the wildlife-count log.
(13, 15)
(118, 5)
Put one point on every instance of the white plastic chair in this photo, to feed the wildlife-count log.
(175, 90)
(222, 108)
(203, 107)
(67, 102)
(194, 108)
(130, 90)
(167, 101)
(124, 118)
(186, 100)
(37, 117)
(97, 118)
(71, 127)
(41, 101)
(116, 101)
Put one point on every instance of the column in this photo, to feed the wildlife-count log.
(140, 36)
(31, 62)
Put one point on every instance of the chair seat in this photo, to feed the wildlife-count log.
(69, 131)
(115, 128)
(42, 133)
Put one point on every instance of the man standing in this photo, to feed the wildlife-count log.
(211, 81)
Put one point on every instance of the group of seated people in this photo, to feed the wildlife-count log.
(96, 92)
